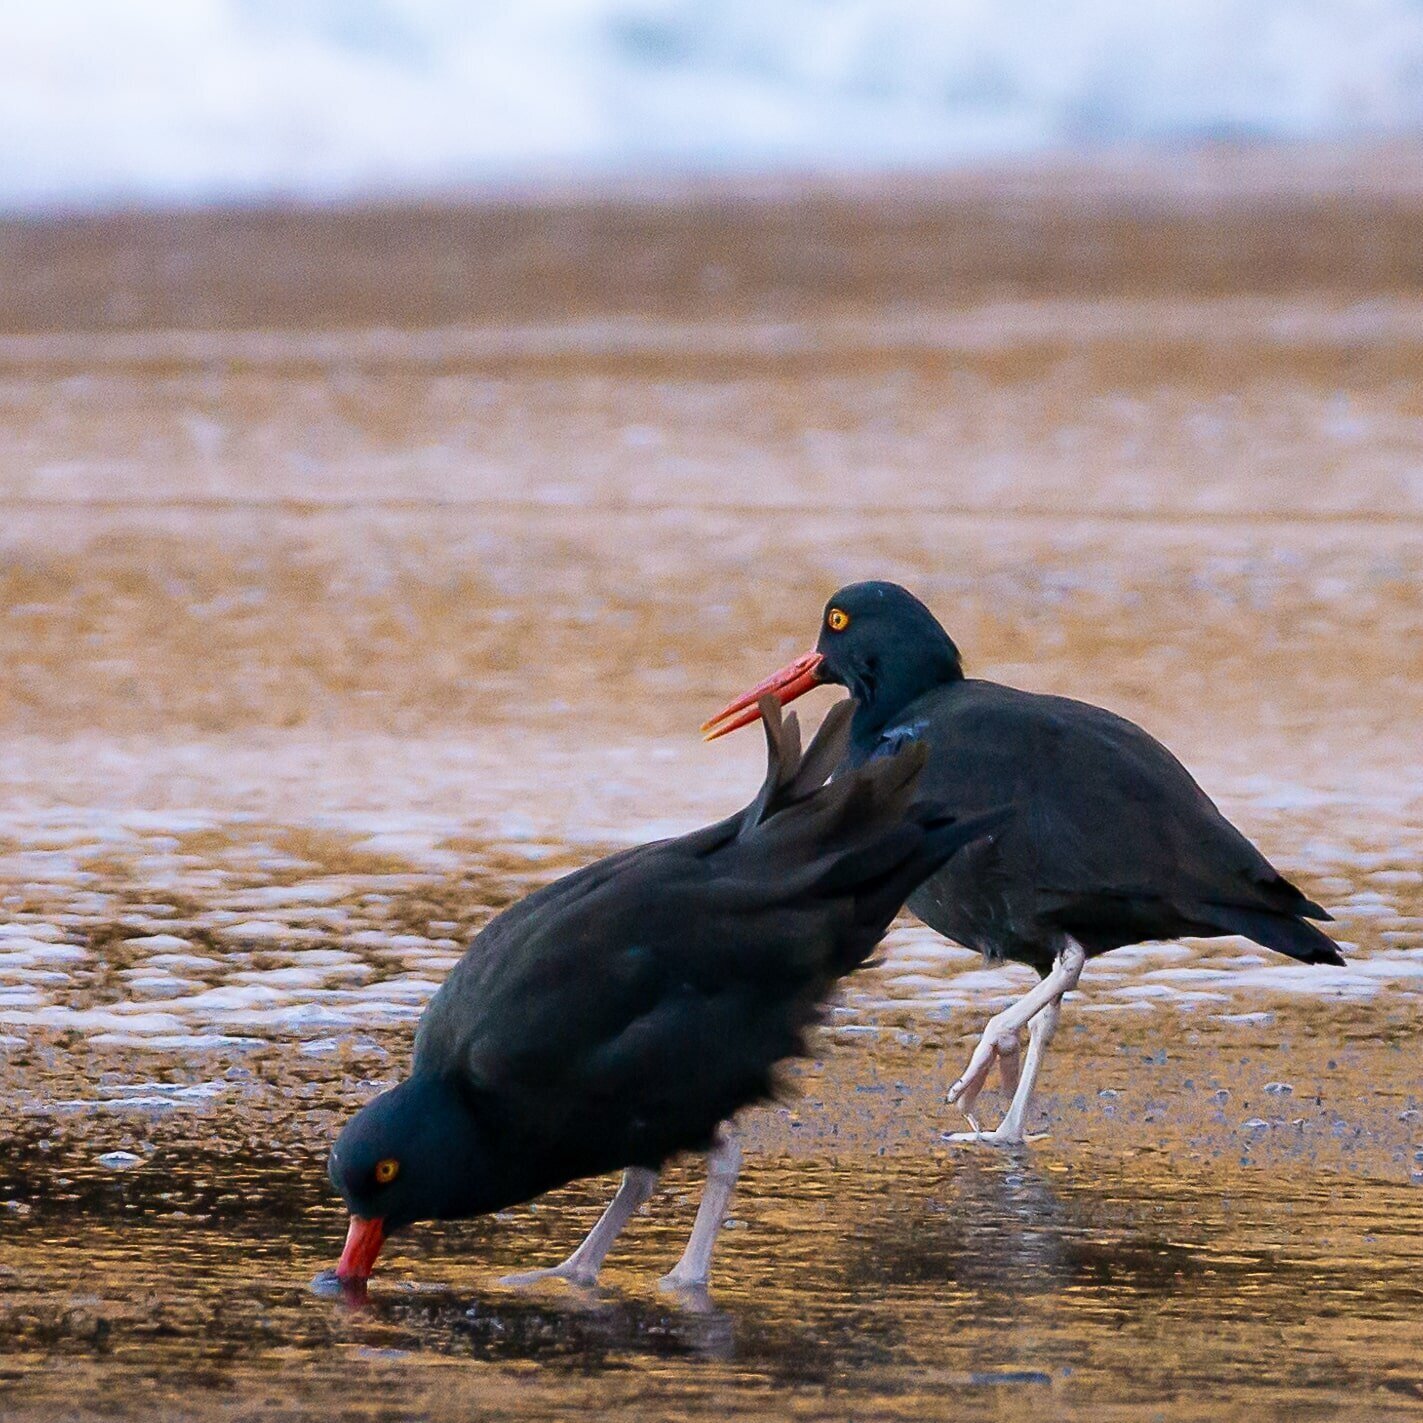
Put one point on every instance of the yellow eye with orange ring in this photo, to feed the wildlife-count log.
(837, 620)
(387, 1171)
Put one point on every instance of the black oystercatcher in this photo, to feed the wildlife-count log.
(1111, 842)
(626, 1012)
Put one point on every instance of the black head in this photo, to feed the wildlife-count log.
(876, 639)
(414, 1153)
(886, 647)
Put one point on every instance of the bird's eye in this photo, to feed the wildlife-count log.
(837, 620)
(387, 1171)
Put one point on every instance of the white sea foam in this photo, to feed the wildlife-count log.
(190, 99)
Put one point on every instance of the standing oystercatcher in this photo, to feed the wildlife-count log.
(1111, 841)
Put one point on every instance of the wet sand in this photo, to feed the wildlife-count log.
(340, 607)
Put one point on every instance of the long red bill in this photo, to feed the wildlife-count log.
(786, 685)
(363, 1243)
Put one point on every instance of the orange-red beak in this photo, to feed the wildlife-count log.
(363, 1243)
(786, 685)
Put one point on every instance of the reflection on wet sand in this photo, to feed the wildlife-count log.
(322, 643)
(1143, 1280)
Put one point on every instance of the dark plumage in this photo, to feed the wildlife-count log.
(623, 1013)
(1112, 842)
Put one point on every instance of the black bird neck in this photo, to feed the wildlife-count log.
(892, 680)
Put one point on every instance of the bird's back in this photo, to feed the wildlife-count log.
(1112, 840)
(619, 1015)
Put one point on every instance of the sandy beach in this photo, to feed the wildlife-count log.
(363, 568)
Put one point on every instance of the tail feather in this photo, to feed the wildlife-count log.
(850, 814)
(1284, 933)
(800, 810)
(791, 774)
(1280, 896)
(782, 761)
(859, 845)
(826, 750)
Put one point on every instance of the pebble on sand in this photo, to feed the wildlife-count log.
(120, 1160)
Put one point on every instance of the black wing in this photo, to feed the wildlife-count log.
(1113, 839)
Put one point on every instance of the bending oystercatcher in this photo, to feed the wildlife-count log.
(1112, 842)
(627, 1011)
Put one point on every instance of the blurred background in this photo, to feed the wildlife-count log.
(404, 365)
(416, 416)
(159, 100)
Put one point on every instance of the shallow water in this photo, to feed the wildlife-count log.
(319, 647)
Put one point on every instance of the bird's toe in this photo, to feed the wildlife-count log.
(693, 1299)
(564, 1273)
(996, 1137)
(681, 1282)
